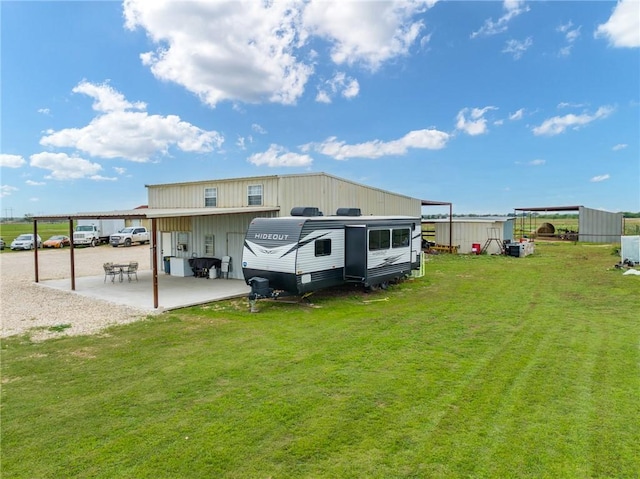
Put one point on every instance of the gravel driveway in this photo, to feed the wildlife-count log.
(25, 306)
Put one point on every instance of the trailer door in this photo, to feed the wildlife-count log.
(355, 252)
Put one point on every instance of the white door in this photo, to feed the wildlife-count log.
(235, 241)
(166, 247)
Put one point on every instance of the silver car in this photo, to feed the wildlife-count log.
(25, 241)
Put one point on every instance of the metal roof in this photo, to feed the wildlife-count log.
(550, 208)
(461, 219)
(144, 213)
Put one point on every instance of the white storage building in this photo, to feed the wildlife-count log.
(467, 232)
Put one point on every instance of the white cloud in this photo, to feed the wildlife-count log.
(65, 167)
(278, 156)
(35, 183)
(623, 27)
(517, 115)
(571, 35)
(365, 32)
(120, 171)
(257, 51)
(6, 190)
(11, 161)
(517, 48)
(258, 129)
(131, 135)
(106, 98)
(513, 9)
(346, 86)
(44, 111)
(599, 178)
(558, 124)
(537, 162)
(418, 139)
(565, 104)
(472, 120)
(619, 146)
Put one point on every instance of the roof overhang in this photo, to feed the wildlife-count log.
(181, 212)
(146, 213)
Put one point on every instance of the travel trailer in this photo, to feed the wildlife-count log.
(308, 251)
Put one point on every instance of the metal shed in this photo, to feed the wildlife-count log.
(467, 232)
(594, 226)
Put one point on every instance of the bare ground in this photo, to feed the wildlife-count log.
(29, 308)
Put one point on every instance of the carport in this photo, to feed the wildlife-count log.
(149, 214)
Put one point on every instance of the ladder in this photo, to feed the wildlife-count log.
(493, 235)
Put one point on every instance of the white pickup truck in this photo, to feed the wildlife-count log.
(129, 235)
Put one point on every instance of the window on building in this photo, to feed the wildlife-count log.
(255, 195)
(323, 247)
(379, 239)
(211, 196)
(400, 238)
(209, 245)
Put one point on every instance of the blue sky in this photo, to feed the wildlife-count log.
(489, 105)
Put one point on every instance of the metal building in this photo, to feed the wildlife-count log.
(467, 232)
(209, 218)
(594, 226)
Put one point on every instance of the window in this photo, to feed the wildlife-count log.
(400, 238)
(255, 195)
(209, 245)
(211, 196)
(323, 247)
(379, 239)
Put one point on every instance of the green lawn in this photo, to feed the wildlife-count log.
(10, 231)
(487, 367)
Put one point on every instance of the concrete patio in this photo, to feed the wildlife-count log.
(173, 291)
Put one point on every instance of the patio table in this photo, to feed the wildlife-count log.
(121, 268)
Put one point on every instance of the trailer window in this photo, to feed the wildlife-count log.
(379, 239)
(323, 247)
(400, 238)
(211, 197)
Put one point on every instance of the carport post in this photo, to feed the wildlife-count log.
(35, 249)
(154, 261)
(72, 256)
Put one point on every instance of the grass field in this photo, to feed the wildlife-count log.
(487, 367)
(10, 231)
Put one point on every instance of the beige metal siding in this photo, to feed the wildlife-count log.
(173, 224)
(329, 193)
(465, 234)
(598, 226)
(231, 193)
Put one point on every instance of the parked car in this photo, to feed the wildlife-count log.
(25, 241)
(130, 235)
(57, 241)
(1, 243)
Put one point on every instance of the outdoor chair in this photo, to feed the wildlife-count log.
(132, 270)
(109, 270)
(225, 266)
